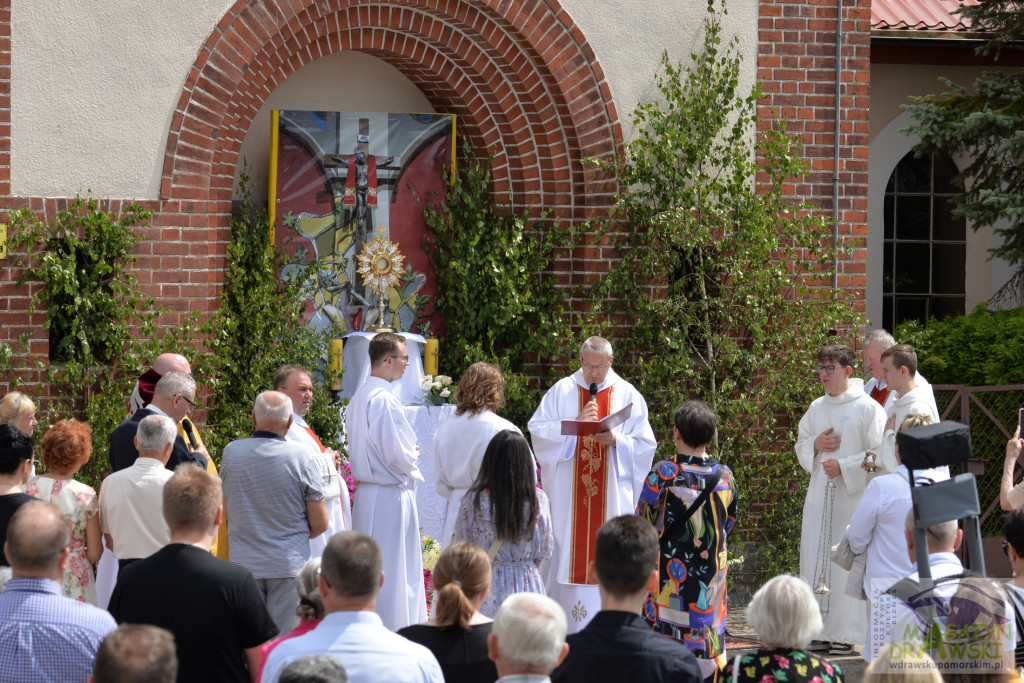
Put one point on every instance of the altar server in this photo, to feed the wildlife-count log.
(835, 432)
(384, 457)
(462, 439)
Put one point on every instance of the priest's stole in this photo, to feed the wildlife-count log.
(589, 492)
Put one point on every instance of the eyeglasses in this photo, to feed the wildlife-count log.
(405, 358)
(588, 366)
(828, 369)
(1006, 545)
(191, 404)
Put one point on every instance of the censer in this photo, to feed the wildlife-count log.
(823, 562)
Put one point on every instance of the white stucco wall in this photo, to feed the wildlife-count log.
(95, 83)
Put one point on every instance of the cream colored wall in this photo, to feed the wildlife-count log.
(891, 87)
(94, 83)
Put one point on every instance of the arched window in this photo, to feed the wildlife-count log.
(924, 271)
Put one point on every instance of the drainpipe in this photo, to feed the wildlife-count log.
(835, 153)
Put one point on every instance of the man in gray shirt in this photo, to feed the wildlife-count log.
(274, 499)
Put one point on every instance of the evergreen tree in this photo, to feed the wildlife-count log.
(985, 122)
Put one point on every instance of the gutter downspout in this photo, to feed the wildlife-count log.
(835, 153)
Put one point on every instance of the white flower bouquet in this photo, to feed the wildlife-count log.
(438, 389)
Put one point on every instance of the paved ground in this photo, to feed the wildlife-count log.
(741, 638)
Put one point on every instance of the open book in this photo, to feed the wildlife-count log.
(588, 427)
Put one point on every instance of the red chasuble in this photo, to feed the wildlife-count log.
(589, 492)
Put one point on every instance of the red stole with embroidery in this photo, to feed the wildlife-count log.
(880, 395)
(590, 491)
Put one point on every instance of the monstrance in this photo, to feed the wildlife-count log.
(380, 264)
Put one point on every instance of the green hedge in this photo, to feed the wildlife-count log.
(984, 348)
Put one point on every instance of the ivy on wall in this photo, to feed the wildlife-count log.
(82, 255)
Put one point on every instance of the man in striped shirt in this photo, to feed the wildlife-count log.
(45, 636)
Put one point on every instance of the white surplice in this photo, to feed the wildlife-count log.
(336, 498)
(920, 399)
(383, 456)
(631, 459)
(458, 452)
(859, 421)
(871, 383)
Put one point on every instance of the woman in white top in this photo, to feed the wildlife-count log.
(462, 439)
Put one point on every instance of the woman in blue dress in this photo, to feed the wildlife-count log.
(507, 515)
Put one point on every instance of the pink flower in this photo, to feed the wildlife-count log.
(783, 661)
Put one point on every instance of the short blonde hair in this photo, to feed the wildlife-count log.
(192, 497)
(784, 612)
(15, 405)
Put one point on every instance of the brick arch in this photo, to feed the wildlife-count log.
(525, 84)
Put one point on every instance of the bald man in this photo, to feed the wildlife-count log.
(274, 497)
(142, 394)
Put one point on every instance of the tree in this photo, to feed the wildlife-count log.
(499, 303)
(986, 124)
(718, 294)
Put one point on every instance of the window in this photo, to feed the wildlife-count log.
(925, 262)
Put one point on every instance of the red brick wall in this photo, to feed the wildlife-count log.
(521, 77)
(796, 62)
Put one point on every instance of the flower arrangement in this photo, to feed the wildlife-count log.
(346, 474)
(430, 550)
(439, 389)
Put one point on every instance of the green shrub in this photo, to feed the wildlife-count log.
(983, 348)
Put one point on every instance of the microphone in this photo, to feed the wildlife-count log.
(191, 434)
(593, 391)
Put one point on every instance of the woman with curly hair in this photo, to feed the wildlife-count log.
(66, 446)
(507, 515)
(462, 439)
(18, 409)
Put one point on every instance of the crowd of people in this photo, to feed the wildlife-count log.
(610, 565)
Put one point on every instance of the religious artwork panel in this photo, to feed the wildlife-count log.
(346, 199)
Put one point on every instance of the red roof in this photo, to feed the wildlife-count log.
(919, 15)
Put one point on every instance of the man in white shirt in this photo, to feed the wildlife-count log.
(527, 640)
(384, 458)
(349, 581)
(131, 500)
(965, 624)
(877, 528)
(295, 382)
(899, 368)
(614, 464)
